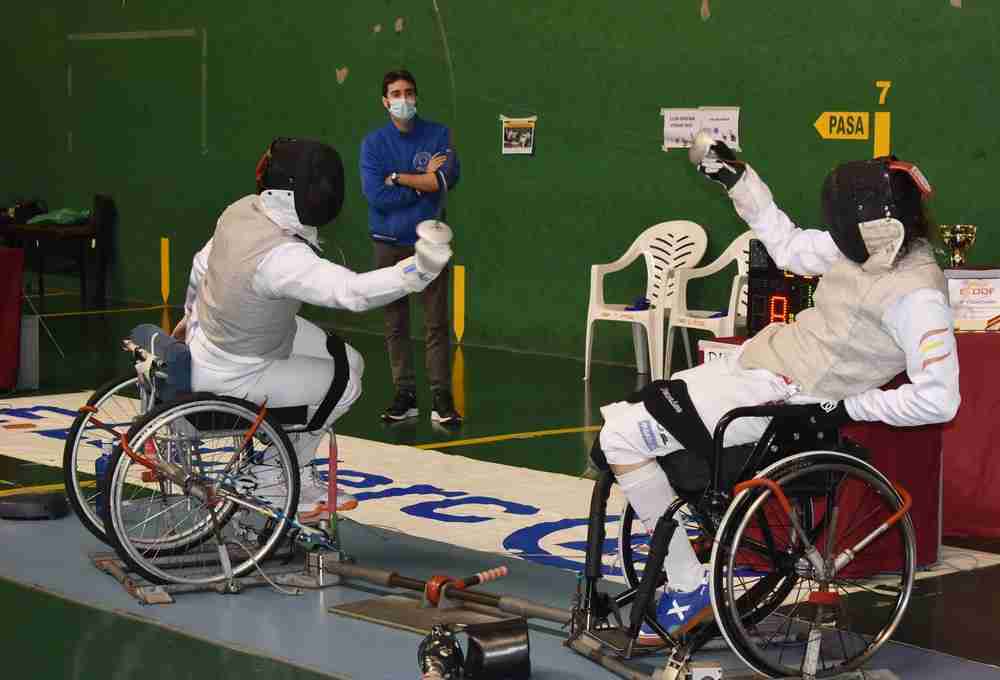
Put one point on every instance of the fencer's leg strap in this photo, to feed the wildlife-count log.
(341, 374)
(597, 454)
(668, 401)
(659, 544)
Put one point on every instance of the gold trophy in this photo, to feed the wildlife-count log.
(958, 237)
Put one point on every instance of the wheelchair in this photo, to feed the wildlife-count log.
(190, 488)
(810, 552)
(87, 451)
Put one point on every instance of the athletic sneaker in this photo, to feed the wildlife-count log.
(404, 405)
(313, 512)
(678, 612)
(443, 409)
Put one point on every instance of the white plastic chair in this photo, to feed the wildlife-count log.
(665, 247)
(719, 325)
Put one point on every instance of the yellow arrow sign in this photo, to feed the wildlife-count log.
(843, 125)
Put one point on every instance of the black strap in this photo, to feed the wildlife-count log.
(670, 404)
(311, 246)
(597, 456)
(341, 373)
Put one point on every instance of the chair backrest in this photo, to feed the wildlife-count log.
(743, 267)
(738, 252)
(665, 247)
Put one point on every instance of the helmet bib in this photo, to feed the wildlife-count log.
(313, 171)
(861, 191)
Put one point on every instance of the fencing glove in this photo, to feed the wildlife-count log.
(716, 160)
(432, 252)
(829, 415)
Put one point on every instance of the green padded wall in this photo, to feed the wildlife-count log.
(99, 98)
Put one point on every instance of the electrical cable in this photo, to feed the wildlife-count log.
(44, 325)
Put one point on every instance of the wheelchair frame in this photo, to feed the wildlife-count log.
(791, 439)
(323, 537)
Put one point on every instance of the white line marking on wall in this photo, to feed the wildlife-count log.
(204, 92)
(136, 35)
(154, 35)
(447, 56)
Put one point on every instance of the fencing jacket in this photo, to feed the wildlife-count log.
(232, 315)
(870, 321)
(252, 276)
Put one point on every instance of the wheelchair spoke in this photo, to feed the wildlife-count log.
(838, 501)
(231, 457)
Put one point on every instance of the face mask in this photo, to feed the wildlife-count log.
(403, 109)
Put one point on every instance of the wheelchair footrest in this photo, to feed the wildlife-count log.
(617, 640)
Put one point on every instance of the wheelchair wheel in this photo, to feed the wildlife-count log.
(233, 510)
(88, 449)
(822, 626)
(633, 547)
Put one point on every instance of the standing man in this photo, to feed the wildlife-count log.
(407, 165)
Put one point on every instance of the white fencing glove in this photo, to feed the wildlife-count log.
(716, 160)
(432, 254)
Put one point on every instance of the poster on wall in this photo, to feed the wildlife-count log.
(681, 125)
(517, 135)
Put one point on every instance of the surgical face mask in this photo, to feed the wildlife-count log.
(402, 108)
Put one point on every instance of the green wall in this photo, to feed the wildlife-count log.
(528, 228)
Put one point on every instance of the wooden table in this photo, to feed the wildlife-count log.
(36, 239)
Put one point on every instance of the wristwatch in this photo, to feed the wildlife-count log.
(394, 179)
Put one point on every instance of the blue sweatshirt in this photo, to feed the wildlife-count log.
(395, 211)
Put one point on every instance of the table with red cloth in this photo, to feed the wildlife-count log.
(971, 475)
(11, 272)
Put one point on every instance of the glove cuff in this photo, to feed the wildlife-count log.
(832, 414)
(840, 414)
(412, 281)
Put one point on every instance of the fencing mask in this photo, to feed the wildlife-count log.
(313, 171)
(861, 191)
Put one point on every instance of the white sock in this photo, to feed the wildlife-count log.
(311, 489)
(649, 492)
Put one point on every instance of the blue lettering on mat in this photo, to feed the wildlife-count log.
(428, 510)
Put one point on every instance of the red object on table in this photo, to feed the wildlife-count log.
(11, 273)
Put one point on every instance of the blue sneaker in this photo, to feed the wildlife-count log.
(678, 612)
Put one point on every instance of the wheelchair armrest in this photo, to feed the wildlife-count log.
(763, 411)
(801, 412)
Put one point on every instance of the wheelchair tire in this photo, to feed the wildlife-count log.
(118, 403)
(633, 545)
(169, 536)
(756, 546)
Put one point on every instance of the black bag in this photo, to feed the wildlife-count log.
(22, 211)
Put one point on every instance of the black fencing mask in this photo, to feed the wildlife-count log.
(862, 191)
(311, 170)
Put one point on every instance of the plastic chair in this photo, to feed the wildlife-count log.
(716, 323)
(665, 247)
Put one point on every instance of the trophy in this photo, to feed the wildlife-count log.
(958, 237)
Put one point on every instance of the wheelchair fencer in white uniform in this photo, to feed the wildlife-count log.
(880, 309)
(249, 281)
